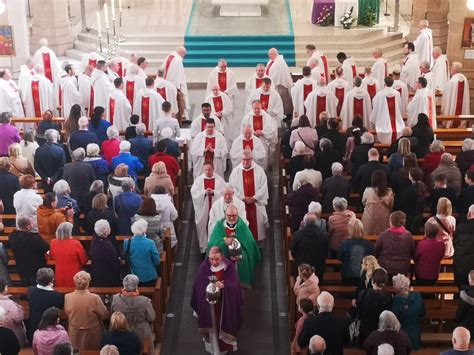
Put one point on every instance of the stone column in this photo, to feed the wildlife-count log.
(436, 12)
(51, 21)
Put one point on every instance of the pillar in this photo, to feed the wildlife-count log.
(436, 12)
(51, 21)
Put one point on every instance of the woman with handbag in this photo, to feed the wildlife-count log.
(446, 223)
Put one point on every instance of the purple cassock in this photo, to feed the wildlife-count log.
(228, 310)
(318, 8)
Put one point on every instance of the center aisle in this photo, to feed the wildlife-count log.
(265, 327)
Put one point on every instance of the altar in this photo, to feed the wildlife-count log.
(240, 7)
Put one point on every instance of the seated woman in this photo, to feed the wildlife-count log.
(49, 333)
(100, 210)
(167, 211)
(14, 315)
(446, 223)
(158, 177)
(69, 254)
(50, 217)
(307, 284)
(120, 335)
(100, 165)
(20, 164)
(105, 257)
(138, 309)
(85, 312)
(147, 212)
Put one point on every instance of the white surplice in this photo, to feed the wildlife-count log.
(230, 124)
(424, 46)
(154, 108)
(44, 96)
(317, 73)
(349, 68)
(299, 93)
(112, 75)
(51, 67)
(456, 96)
(371, 85)
(279, 72)
(253, 83)
(322, 63)
(174, 72)
(122, 110)
(10, 99)
(230, 81)
(410, 70)
(198, 154)
(380, 70)
(431, 81)
(70, 94)
(90, 59)
(320, 100)
(261, 194)
(199, 124)
(202, 203)
(381, 119)
(24, 77)
(275, 104)
(422, 102)
(269, 138)
(84, 83)
(168, 92)
(441, 72)
(259, 153)
(339, 87)
(402, 89)
(101, 87)
(218, 209)
(356, 99)
(132, 84)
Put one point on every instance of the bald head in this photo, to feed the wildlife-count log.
(181, 51)
(325, 302)
(339, 72)
(272, 53)
(377, 53)
(461, 338)
(317, 345)
(248, 131)
(423, 24)
(456, 68)
(437, 51)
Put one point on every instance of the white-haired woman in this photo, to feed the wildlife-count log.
(62, 190)
(142, 254)
(433, 158)
(111, 146)
(465, 159)
(388, 333)
(100, 165)
(409, 308)
(105, 258)
(69, 254)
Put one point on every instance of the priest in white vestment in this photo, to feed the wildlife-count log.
(380, 67)
(370, 84)
(148, 105)
(122, 63)
(142, 65)
(322, 60)
(118, 109)
(91, 59)
(174, 72)
(225, 78)
(132, 59)
(26, 71)
(206, 189)
(339, 87)
(263, 127)
(112, 70)
(219, 207)
(270, 100)
(10, 99)
(256, 80)
(198, 124)
(222, 108)
(167, 90)
(70, 94)
(456, 95)
(386, 115)
(133, 83)
(422, 102)
(410, 70)
(301, 90)
(356, 103)
(402, 89)
(101, 87)
(248, 141)
(48, 60)
(320, 100)
(424, 43)
(209, 145)
(428, 75)
(250, 183)
(316, 71)
(84, 84)
(166, 121)
(277, 69)
(348, 66)
(40, 96)
(440, 70)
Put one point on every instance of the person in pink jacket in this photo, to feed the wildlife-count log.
(307, 284)
(49, 333)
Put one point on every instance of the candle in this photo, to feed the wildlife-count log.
(112, 5)
(98, 23)
(120, 5)
(106, 14)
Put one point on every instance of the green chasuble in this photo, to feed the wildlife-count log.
(366, 5)
(250, 252)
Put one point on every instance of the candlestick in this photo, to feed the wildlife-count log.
(98, 22)
(106, 14)
(112, 5)
(120, 5)
(121, 38)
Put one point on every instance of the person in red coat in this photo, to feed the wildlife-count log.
(172, 166)
(69, 254)
(111, 147)
(433, 158)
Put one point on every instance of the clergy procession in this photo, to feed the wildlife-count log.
(354, 184)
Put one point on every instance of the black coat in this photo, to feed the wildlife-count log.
(465, 199)
(285, 143)
(465, 160)
(324, 162)
(425, 137)
(436, 194)
(465, 311)
(126, 342)
(295, 165)
(363, 178)
(49, 161)
(310, 245)
(335, 186)
(334, 330)
(94, 215)
(338, 140)
(81, 138)
(298, 202)
(80, 176)
(463, 259)
(9, 185)
(399, 340)
(359, 156)
(9, 344)
(105, 268)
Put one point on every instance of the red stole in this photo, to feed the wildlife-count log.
(400, 91)
(372, 90)
(218, 105)
(358, 107)
(146, 111)
(91, 102)
(111, 109)
(267, 72)
(258, 82)
(93, 63)
(391, 112)
(340, 98)
(168, 63)
(325, 64)
(162, 92)
(257, 123)
(209, 183)
(248, 144)
(307, 88)
(430, 110)
(354, 71)
(265, 100)
(36, 98)
(222, 80)
(209, 156)
(459, 98)
(320, 106)
(129, 91)
(47, 67)
(120, 69)
(250, 209)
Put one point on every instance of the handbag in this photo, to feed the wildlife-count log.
(127, 267)
(302, 140)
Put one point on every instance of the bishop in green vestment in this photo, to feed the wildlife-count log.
(234, 227)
